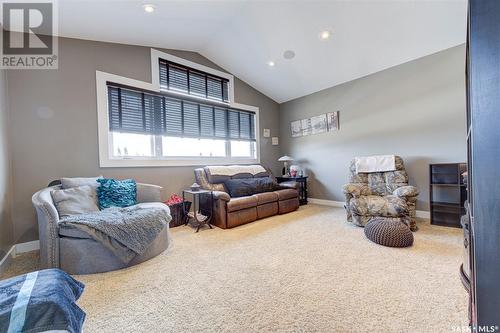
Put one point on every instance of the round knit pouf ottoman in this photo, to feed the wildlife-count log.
(389, 232)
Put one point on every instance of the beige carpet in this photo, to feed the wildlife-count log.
(308, 271)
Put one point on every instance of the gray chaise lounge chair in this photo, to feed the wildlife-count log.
(75, 252)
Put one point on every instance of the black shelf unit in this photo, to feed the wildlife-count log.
(447, 193)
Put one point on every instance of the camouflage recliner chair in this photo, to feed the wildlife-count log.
(384, 194)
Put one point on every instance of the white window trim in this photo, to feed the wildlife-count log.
(155, 72)
(106, 158)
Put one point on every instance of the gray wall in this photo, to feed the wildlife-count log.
(415, 110)
(66, 144)
(6, 237)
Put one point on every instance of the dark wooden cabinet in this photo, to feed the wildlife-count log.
(447, 193)
(482, 263)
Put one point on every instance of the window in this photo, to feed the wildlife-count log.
(185, 116)
(183, 79)
(146, 124)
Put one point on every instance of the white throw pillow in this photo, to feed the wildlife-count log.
(74, 201)
(79, 181)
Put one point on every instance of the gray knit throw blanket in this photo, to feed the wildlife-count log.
(127, 232)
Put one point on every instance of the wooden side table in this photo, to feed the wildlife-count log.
(302, 181)
(195, 214)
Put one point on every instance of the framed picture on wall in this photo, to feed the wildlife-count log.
(318, 124)
(296, 129)
(306, 126)
(332, 121)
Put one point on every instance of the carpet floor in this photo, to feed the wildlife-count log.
(307, 271)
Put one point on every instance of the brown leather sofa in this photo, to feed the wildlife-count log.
(232, 212)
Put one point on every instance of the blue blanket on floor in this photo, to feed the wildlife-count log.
(41, 301)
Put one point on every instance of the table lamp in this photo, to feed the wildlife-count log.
(285, 159)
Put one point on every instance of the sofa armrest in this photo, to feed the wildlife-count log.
(220, 195)
(356, 190)
(406, 191)
(148, 193)
(48, 229)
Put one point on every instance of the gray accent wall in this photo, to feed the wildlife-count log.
(54, 123)
(6, 237)
(415, 110)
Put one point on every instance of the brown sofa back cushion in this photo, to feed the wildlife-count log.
(248, 186)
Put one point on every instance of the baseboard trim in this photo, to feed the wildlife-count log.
(423, 214)
(420, 213)
(27, 247)
(324, 202)
(7, 258)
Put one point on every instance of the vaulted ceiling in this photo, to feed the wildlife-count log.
(244, 36)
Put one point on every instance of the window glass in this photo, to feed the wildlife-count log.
(242, 149)
(189, 147)
(133, 145)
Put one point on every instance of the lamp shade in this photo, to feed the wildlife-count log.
(285, 159)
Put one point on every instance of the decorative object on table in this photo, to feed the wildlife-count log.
(389, 232)
(385, 194)
(285, 159)
(275, 141)
(296, 128)
(294, 170)
(266, 133)
(196, 215)
(298, 182)
(195, 187)
(447, 193)
(177, 211)
(318, 124)
(332, 121)
(305, 124)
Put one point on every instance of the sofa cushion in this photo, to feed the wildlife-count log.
(374, 205)
(267, 197)
(80, 181)
(69, 231)
(241, 203)
(116, 193)
(248, 186)
(74, 201)
(287, 194)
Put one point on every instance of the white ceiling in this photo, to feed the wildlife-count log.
(242, 36)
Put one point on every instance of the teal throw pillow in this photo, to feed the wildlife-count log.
(116, 193)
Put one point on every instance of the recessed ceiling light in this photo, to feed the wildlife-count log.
(288, 54)
(325, 34)
(149, 8)
(271, 63)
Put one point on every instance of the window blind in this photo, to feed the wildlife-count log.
(187, 80)
(147, 112)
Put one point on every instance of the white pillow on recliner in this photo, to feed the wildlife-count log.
(74, 201)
